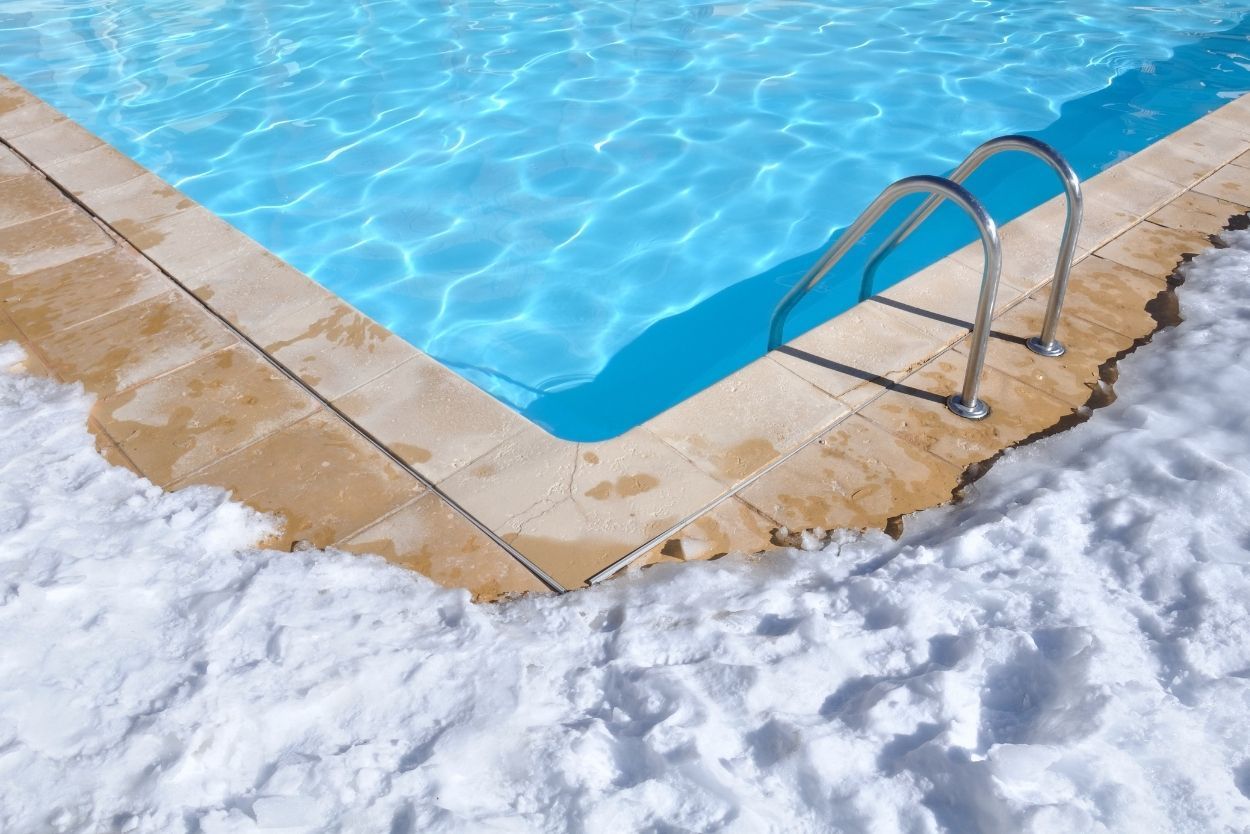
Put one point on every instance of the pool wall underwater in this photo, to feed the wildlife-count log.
(680, 353)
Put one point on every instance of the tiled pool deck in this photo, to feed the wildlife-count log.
(216, 363)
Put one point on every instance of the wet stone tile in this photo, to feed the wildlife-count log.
(941, 300)
(916, 412)
(433, 419)
(53, 299)
(190, 242)
(11, 165)
(322, 479)
(1112, 295)
(856, 476)
(332, 347)
(28, 197)
(574, 508)
(1154, 250)
(49, 241)
(1231, 183)
(127, 346)
(733, 526)
(853, 356)
(1199, 213)
(128, 207)
(1072, 377)
(427, 536)
(175, 424)
(744, 422)
(256, 291)
(24, 114)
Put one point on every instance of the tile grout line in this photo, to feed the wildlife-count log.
(533, 568)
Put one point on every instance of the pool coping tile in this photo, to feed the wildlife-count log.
(454, 457)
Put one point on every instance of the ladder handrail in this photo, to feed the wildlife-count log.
(1046, 343)
(966, 403)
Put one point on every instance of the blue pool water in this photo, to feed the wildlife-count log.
(590, 209)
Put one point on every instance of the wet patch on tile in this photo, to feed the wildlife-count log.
(323, 480)
(28, 197)
(427, 536)
(1198, 213)
(332, 347)
(125, 347)
(1112, 295)
(435, 420)
(50, 300)
(856, 476)
(49, 241)
(178, 423)
(573, 508)
(1070, 378)
(916, 412)
(1153, 249)
(732, 526)
(744, 422)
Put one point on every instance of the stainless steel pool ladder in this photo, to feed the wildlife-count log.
(967, 402)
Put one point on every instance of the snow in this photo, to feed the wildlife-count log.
(1066, 650)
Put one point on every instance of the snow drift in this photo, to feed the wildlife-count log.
(1067, 650)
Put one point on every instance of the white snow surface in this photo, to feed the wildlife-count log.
(1068, 650)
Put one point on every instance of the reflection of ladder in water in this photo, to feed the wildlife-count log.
(966, 403)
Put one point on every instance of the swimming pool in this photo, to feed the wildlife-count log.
(590, 210)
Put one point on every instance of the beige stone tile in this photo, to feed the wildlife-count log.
(1030, 248)
(1128, 189)
(49, 241)
(1232, 183)
(27, 116)
(1194, 212)
(433, 419)
(574, 508)
(190, 242)
(174, 424)
(1071, 378)
(322, 478)
(137, 202)
(109, 450)
(28, 197)
(854, 355)
(429, 537)
(12, 97)
(916, 411)
(1181, 161)
(50, 300)
(60, 140)
(95, 169)
(745, 421)
(856, 476)
(11, 165)
(8, 330)
(1243, 160)
(255, 290)
(733, 526)
(1208, 142)
(941, 300)
(332, 347)
(31, 363)
(1112, 295)
(1233, 117)
(127, 346)
(1153, 249)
